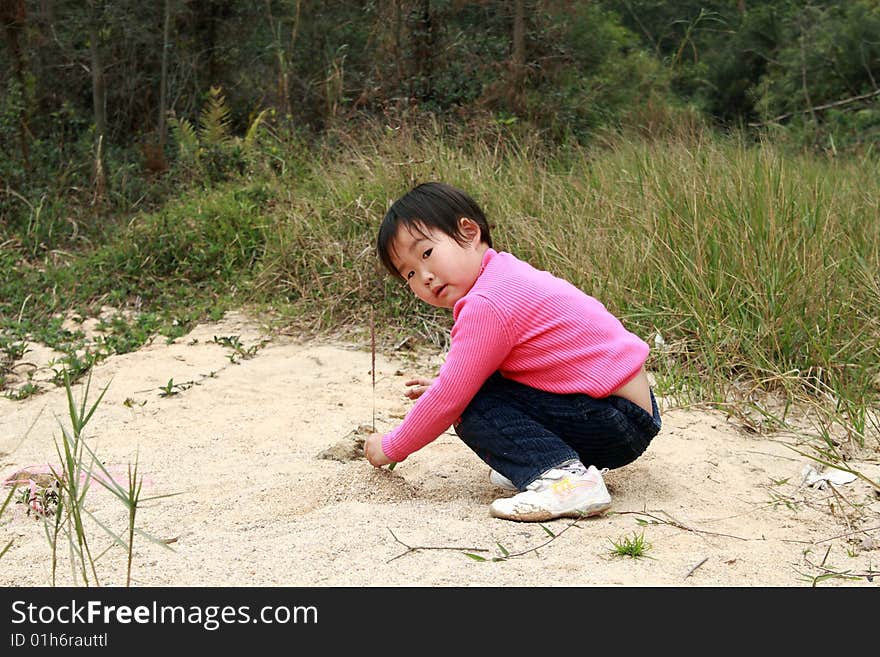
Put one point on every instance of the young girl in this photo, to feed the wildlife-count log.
(540, 380)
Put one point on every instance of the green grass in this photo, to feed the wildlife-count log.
(634, 546)
(70, 519)
(757, 268)
(3, 507)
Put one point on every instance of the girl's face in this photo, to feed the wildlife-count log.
(438, 269)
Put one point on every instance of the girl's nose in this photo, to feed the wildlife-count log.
(427, 277)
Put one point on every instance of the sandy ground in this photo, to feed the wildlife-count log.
(240, 442)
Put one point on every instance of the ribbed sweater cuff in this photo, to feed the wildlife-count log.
(390, 449)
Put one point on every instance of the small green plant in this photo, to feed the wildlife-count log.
(210, 150)
(232, 341)
(634, 547)
(3, 507)
(74, 477)
(78, 469)
(41, 500)
(74, 366)
(122, 335)
(168, 389)
(239, 350)
(777, 500)
(25, 391)
(130, 496)
(14, 349)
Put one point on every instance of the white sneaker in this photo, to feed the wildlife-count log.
(498, 479)
(558, 493)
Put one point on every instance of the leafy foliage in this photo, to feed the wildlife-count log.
(214, 120)
(290, 68)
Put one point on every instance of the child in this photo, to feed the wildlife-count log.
(540, 379)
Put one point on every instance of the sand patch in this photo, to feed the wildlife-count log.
(239, 439)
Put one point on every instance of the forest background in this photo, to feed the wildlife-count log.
(708, 169)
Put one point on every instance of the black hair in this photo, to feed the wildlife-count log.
(432, 205)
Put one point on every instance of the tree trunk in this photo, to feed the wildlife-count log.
(211, 45)
(804, 85)
(13, 16)
(41, 61)
(282, 56)
(423, 49)
(99, 101)
(163, 79)
(518, 61)
(398, 42)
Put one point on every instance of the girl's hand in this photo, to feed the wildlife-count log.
(418, 386)
(373, 450)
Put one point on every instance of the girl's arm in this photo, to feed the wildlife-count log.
(480, 344)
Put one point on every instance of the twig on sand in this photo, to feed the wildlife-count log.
(553, 537)
(373, 362)
(850, 533)
(506, 555)
(828, 573)
(410, 548)
(694, 569)
(669, 520)
(788, 501)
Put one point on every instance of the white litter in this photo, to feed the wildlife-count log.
(820, 477)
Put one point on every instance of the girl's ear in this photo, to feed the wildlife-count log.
(470, 230)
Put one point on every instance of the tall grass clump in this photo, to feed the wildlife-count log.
(758, 269)
(749, 270)
(74, 479)
(71, 520)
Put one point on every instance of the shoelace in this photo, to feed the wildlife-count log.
(575, 468)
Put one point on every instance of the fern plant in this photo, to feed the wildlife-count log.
(211, 151)
(187, 141)
(214, 120)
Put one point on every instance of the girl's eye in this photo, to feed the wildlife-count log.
(427, 253)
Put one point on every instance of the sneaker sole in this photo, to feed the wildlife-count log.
(541, 515)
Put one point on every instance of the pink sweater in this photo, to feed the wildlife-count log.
(532, 327)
